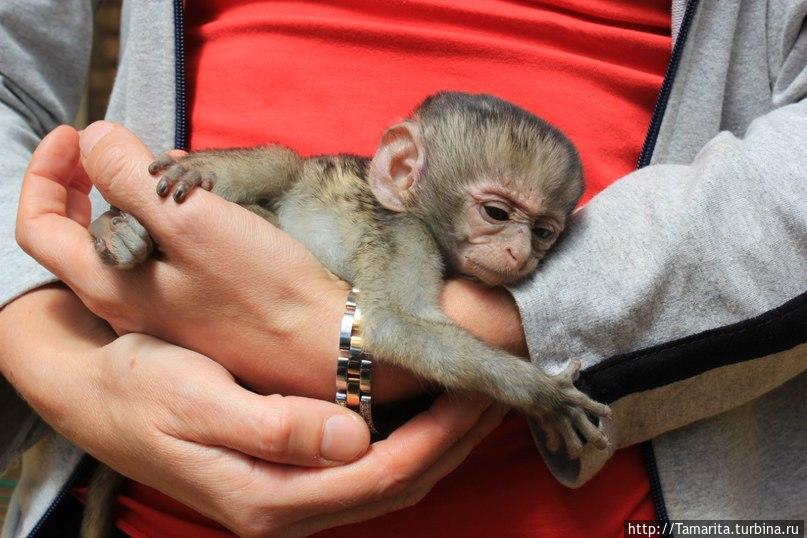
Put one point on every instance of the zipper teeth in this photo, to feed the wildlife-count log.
(181, 119)
(78, 471)
(655, 487)
(656, 493)
(666, 87)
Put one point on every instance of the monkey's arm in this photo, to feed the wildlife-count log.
(399, 273)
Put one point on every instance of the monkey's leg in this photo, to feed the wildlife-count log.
(244, 176)
(99, 515)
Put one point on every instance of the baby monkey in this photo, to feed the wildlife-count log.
(468, 185)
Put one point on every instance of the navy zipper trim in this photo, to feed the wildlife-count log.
(656, 493)
(181, 114)
(666, 86)
(80, 469)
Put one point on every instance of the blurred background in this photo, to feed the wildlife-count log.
(103, 66)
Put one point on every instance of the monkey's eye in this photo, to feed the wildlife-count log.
(544, 233)
(496, 213)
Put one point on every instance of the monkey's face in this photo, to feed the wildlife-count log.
(503, 232)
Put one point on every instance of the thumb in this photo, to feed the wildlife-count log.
(284, 429)
(116, 162)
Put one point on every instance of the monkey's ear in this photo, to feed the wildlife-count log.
(396, 165)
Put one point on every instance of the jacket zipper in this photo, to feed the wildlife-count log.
(666, 86)
(181, 118)
(656, 492)
(80, 469)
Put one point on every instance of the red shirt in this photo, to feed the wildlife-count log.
(328, 77)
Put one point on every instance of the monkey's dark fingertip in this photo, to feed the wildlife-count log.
(162, 188)
(179, 195)
(154, 168)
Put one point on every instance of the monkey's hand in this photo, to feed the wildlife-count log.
(120, 240)
(183, 174)
(563, 414)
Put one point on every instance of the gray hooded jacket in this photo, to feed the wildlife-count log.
(681, 287)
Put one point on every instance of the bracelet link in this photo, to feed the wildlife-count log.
(354, 369)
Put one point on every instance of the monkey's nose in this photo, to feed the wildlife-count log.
(517, 257)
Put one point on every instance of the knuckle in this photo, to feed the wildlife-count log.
(411, 497)
(103, 305)
(23, 237)
(252, 528)
(255, 521)
(112, 166)
(394, 480)
(277, 428)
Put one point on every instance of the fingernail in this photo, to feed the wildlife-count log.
(92, 134)
(344, 438)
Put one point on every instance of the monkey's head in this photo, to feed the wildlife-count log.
(494, 183)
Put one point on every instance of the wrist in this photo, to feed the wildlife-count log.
(319, 341)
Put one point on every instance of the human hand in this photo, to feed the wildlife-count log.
(230, 285)
(177, 421)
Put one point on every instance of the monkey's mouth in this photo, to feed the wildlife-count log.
(488, 276)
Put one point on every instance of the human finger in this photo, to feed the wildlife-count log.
(117, 163)
(51, 194)
(447, 463)
(393, 464)
(280, 429)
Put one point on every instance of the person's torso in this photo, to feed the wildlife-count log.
(329, 77)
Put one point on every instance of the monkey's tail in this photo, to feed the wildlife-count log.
(99, 513)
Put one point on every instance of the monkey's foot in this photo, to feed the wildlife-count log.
(120, 240)
(563, 414)
(181, 174)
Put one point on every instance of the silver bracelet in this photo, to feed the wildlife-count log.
(354, 369)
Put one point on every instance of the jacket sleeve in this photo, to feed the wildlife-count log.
(44, 57)
(682, 286)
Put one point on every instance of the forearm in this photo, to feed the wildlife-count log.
(488, 313)
(42, 331)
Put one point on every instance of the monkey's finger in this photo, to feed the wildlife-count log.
(53, 209)
(591, 433)
(165, 160)
(570, 438)
(551, 435)
(592, 406)
(280, 429)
